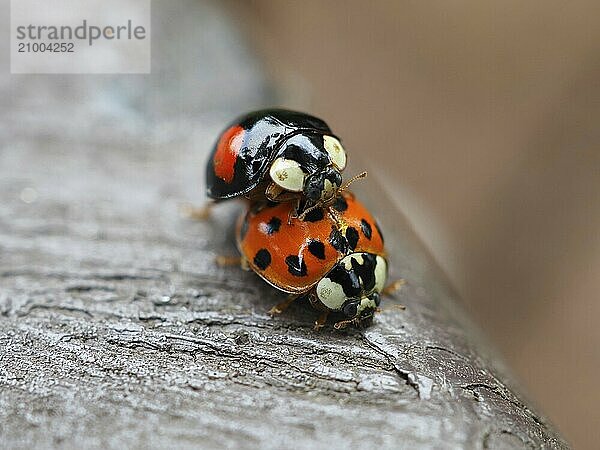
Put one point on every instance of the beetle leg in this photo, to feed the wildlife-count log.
(228, 261)
(393, 287)
(282, 306)
(344, 323)
(293, 214)
(320, 322)
(197, 213)
(273, 191)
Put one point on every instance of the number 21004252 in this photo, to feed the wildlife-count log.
(40, 47)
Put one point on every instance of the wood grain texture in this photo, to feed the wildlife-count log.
(117, 329)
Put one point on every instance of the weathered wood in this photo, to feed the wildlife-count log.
(117, 329)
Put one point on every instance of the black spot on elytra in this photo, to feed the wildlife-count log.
(262, 259)
(340, 204)
(366, 228)
(315, 215)
(273, 225)
(352, 237)
(338, 241)
(379, 231)
(317, 248)
(296, 266)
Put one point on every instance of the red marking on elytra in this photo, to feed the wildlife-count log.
(227, 152)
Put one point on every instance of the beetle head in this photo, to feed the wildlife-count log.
(323, 186)
(353, 287)
(311, 165)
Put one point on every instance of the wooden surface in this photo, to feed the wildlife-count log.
(117, 329)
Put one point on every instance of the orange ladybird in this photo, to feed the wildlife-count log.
(334, 255)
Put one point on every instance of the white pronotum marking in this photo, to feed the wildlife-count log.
(287, 174)
(331, 294)
(336, 152)
(380, 274)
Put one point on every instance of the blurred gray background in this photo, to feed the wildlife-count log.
(482, 118)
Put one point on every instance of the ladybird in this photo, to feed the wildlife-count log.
(335, 256)
(276, 155)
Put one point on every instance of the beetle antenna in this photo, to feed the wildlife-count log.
(307, 210)
(360, 176)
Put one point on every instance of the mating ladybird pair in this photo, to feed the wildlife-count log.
(302, 232)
